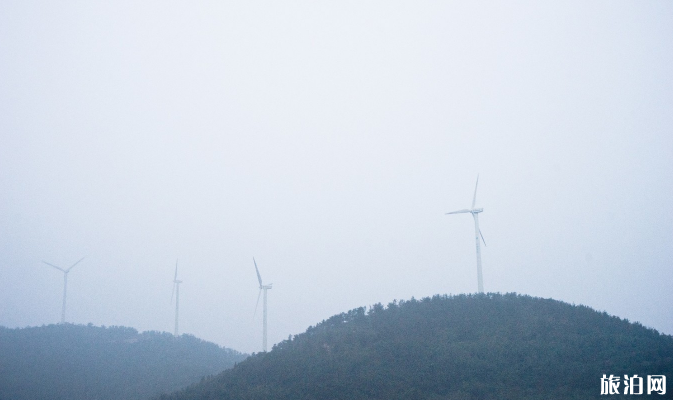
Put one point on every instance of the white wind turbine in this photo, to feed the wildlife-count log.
(477, 233)
(176, 292)
(65, 284)
(265, 288)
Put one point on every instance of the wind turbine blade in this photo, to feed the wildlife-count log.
(482, 237)
(259, 277)
(173, 292)
(256, 304)
(458, 212)
(175, 278)
(59, 268)
(474, 199)
(75, 264)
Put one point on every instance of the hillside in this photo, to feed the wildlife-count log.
(87, 362)
(460, 347)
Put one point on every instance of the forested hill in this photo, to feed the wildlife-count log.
(72, 362)
(487, 346)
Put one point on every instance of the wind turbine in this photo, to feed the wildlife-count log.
(265, 288)
(65, 284)
(477, 234)
(176, 292)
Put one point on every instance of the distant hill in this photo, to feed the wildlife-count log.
(72, 362)
(487, 346)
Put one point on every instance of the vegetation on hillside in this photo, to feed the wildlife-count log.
(487, 346)
(72, 362)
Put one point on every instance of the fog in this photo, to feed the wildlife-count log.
(328, 140)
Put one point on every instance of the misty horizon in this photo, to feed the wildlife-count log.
(328, 141)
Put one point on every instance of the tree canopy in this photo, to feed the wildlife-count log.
(72, 362)
(484, 346)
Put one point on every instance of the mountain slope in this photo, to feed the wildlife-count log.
(88, 362)
(461, 347)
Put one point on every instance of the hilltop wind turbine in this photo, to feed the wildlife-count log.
(477, 234)
(176, 292)
(65, 284)
(265, 288)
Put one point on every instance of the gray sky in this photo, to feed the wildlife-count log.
(327, 140)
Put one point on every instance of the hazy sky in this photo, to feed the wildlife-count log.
(327, 140)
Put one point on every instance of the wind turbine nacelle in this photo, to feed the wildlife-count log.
(476, 210)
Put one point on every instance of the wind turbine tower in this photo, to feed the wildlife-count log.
(65, 284)
(176, 292)
(477, 234)
(265, 288)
